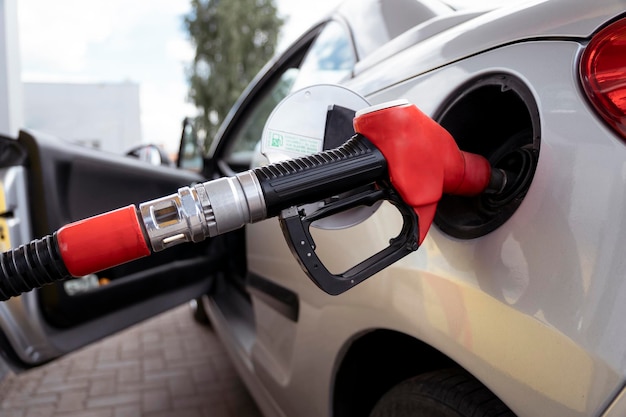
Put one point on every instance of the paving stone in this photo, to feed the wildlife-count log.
(217, 410)
(94, 375)
(101, 387)
(167, 366)
(157, 400)
(39, 411)
(103, 412)
(84, 363)
(163, 374)
(113, 400)
(132, 410)
(129, 375)
(181, 385)
(19, 400)
(72, 401)
(14, 413)
(153, 364)
(192, 401)
(192, 412)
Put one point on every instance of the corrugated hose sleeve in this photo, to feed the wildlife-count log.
(31, 266)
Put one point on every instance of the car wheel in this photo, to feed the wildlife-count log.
(444, 393)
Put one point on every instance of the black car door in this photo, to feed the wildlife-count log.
(51, 183)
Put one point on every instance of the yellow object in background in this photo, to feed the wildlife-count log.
(5, 241)
(3, 203)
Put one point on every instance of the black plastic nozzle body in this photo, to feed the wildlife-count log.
(316, 177)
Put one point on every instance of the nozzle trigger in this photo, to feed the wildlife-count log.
(295, 225)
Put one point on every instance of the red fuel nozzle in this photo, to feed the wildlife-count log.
(396, 143)
(423, 159)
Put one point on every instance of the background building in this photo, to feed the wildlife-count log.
(103, 116)
(11, 109)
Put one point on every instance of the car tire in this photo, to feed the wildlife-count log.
(443, 393)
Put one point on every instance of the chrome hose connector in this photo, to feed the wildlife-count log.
(174, 219)
(203, 210)
(235, 201)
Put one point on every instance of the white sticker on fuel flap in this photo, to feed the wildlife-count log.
(292, 143)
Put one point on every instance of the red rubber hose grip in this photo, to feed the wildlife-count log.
(102, 242)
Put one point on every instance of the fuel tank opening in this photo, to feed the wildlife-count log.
(495, 116)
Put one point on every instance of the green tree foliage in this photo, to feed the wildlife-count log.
(233, 40)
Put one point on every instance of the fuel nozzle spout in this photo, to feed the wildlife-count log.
(497, 181)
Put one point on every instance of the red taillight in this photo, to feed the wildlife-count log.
(603, 74)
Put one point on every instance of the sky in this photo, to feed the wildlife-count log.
(141, 41)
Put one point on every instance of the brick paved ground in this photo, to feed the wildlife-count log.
(167, 366)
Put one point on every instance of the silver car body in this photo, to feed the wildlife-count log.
(533, 309)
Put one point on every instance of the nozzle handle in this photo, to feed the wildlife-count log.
(315, 177)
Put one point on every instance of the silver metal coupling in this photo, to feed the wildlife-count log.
(174, 219)
(203, 210)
